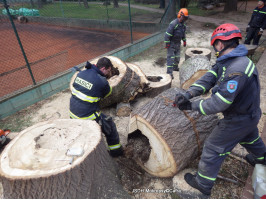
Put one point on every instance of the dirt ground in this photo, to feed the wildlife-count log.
(152, 62)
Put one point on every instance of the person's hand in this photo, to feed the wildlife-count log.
(180, 99)
(247, 29)
(185, 106)
(184, 43)
(167, 45)
(260, 32)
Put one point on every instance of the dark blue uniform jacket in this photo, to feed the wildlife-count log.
(235, 86)
(258, 18)
(90, 86)
(175, 32)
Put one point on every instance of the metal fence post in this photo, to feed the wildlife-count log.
(19, 42)
(129, 11)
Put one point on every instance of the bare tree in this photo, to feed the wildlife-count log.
(170, 6)
(230, 5)
(184, 3)
(116, 4)
(86, 5)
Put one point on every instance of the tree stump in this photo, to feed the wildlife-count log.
(192, 69)
(123, 109)
(175, 137)
(190, 52)
(59, 159)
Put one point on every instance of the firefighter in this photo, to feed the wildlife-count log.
(256, 24)
(175, 32)
(236, 93)
(89, 87)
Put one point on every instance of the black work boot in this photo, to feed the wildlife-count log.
(175, 68)
(253, 161)
(191, 180)
(117, 152)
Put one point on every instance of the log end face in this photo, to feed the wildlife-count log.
(44, 148)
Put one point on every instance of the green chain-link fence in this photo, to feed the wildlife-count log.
(42, 38)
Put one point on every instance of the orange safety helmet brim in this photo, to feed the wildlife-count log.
(225, 32)
(182, 12)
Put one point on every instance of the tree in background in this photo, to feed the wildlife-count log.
(230, 5)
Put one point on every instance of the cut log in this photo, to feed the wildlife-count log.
(192, 69)
(123, 109)
(158, 84)
(124, 86)
(59, 159)
(251, 49)
(175, 137)
(190, 52)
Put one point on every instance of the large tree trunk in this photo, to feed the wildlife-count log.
(192, 69)
(85, 2)
(116, 4)
(175, 137)
(230, 5)
(171, 10)
(38, 163)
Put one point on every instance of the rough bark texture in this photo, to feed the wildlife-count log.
(191, 52)
(176, 137)
(35, 164)
(192, 69)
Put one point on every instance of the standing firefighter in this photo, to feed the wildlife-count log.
(89, 87)
(236, 93)
(175, 32)
(256, 24)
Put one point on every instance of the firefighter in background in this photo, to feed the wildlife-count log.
(175, 32)
(256, 24)
(236, 93)
(89, 87)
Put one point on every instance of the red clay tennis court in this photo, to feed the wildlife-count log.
(51, 50)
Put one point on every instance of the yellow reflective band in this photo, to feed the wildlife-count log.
(223, 154)
(262, 12)
(111, 89)
(250, 142)
(197, 85)
(213, 72)
(83, 83)
(249, 65)
(176, 26)
(261, 158)
(169, 66)
(206, 177)
(91, 117)
(173, 57)
(167, 41)
(83, 97)
(168, 34)
(251, 71)
(201, 108)
(116, 146)
(222, 98)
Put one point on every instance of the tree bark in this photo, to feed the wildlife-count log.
(116, 4)
(230, 5)
(192, 69)
(175, 137)
(123, 109)
(191, 52)
(36, 165)
(85, 2)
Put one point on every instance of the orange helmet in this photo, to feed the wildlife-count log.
(4, 132)
(182, 12)
(226, 32)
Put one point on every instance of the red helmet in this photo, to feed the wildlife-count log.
(226, 32)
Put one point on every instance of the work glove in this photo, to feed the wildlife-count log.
(170, 71)
(181, 98)
(185, 106)
(184, 43)
(247, 29)
(260, 32)
(167, 45)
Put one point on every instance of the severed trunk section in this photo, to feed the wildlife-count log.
(175, 137)
(191, 52)
(192, 69)
(59, 159)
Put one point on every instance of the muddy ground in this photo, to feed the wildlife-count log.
(152, 62)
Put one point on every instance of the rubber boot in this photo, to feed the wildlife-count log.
(117, 152)
(191, 180)
(253, 161)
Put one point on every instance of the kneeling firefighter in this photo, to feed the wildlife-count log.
(89, 87)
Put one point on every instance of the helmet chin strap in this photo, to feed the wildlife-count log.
(218, 53)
